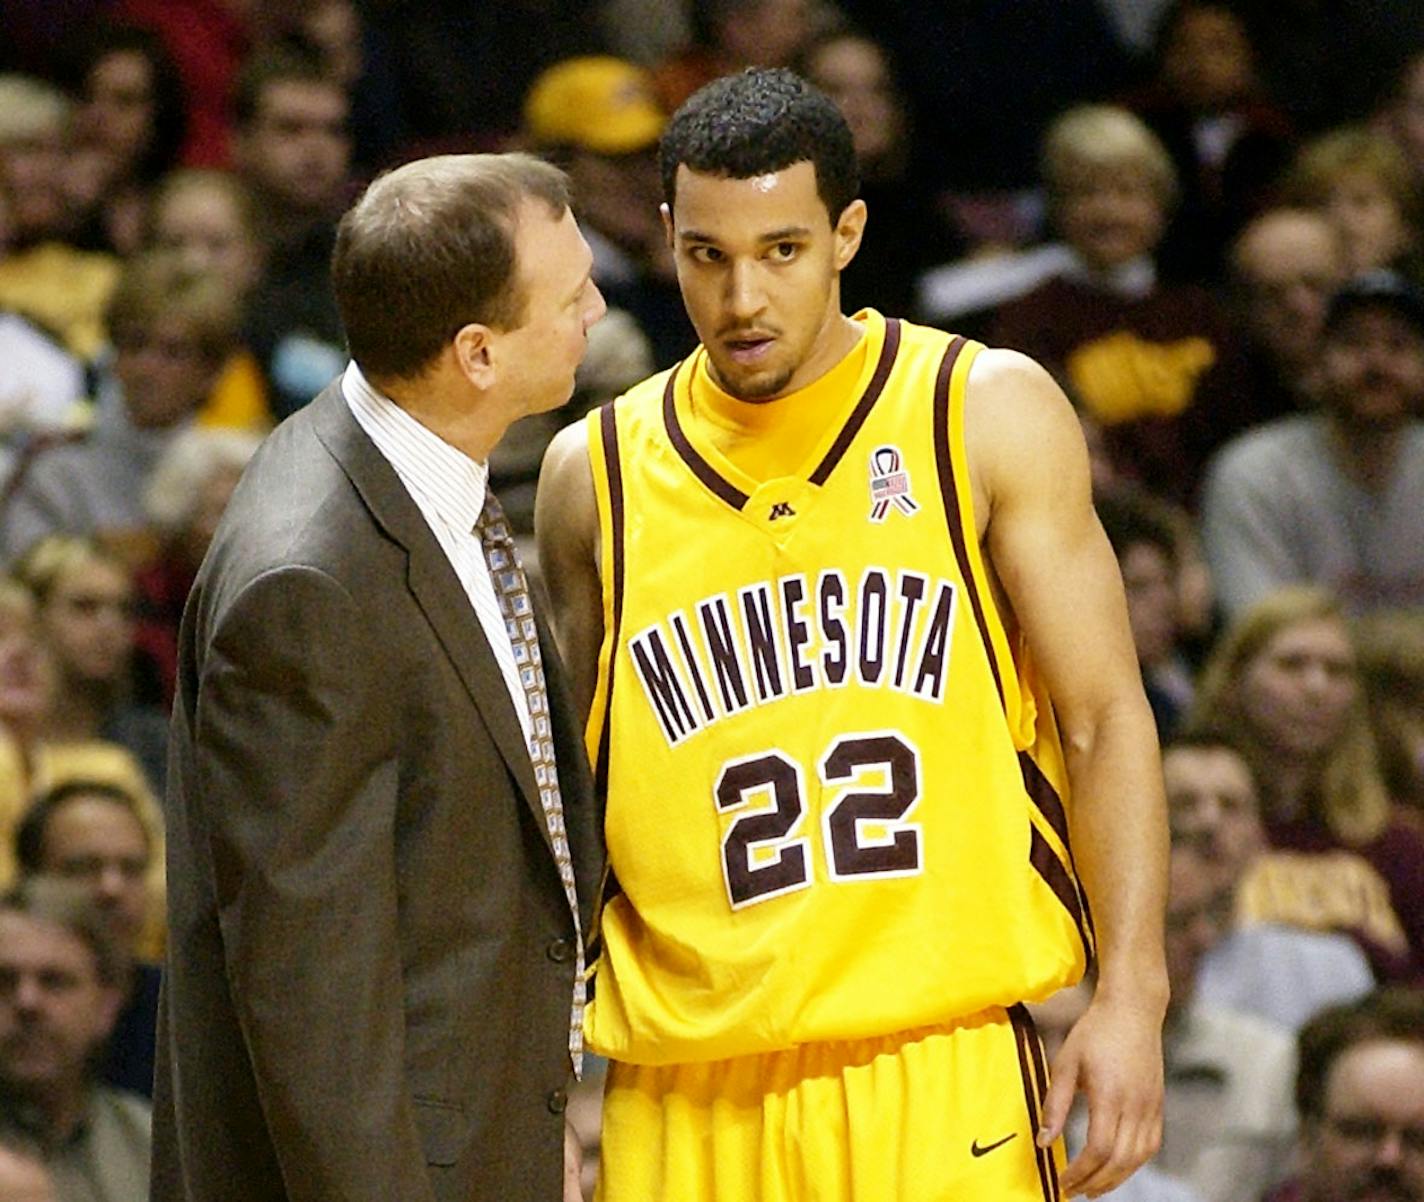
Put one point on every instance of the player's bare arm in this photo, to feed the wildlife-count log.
(1048, 553)
(566, 529)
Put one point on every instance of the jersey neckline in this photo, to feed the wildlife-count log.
(734, 487)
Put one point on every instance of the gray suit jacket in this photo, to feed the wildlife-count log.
(370, 954)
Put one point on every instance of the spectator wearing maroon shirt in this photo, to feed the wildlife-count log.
(1154, 364)
(1284, 678)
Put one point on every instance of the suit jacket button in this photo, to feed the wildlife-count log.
(561, 951)
(557, 1101)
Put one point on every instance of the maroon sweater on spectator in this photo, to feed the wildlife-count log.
(1397, 855)
(1160, 373)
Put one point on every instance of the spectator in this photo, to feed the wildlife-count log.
(189, 490)
(84, 598)
(1283, 679)
(59, 996)
(34, 138)
(1334, 498)
(599, 119)
(1360, 1096)
(731, 35)
(907, 234)
(30, 764)
(292, 149)
(291, 144)
(206, 40)
(1279, 973)
(1285, 266)
(1152, 363)
(207, 219)
(26, 687)
(63, 289)
(1391, 651)
(354, 54)
(130, 126)
(95, 834)
(1361, 181)
(1226, 1121)
(1145, 542)
(1404, 115)
(171, 332)
(1226, 139)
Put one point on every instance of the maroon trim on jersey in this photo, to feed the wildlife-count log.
(1042, 793)
(888, 350)
(1060, 880)
(952, 515)
(608, 429)
(700, 468)
(1035, 1091)
(721, 487)
(1040, 1064)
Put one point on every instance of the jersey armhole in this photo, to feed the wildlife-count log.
(951, 397)
(605, 462)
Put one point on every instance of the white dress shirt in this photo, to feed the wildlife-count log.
(449, 489)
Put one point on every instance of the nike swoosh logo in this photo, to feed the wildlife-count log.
(976, 1150)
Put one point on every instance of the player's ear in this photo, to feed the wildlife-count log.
(848, 232)
(666, 214)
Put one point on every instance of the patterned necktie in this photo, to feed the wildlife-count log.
(512, 589)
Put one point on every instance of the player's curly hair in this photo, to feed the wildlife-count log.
(758, 122)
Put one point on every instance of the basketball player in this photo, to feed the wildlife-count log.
(832, 587)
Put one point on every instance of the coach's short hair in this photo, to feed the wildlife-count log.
(757, 123)
(429, 248)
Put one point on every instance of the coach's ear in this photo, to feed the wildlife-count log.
(850, 229)
(472, 348)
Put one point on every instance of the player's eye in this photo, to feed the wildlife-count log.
(784, 252)
(705, 254)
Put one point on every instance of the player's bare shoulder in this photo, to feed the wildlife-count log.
(1020, 431)
(566, 511)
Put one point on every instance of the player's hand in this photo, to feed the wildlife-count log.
(1114, 1055)
(573, 1165)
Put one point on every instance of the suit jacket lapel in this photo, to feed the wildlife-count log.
(433, 583)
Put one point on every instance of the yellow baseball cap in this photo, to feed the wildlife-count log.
(595, 102)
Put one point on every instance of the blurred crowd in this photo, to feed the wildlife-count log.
(1205, 217)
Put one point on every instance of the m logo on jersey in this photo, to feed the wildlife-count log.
(782, 509)
(889, 485)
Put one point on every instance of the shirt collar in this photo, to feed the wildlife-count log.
(436, 474)
(1133, 280)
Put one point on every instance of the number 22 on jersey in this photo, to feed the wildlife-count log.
(873, 783)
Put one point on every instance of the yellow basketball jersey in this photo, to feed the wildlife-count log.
(836, 798)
